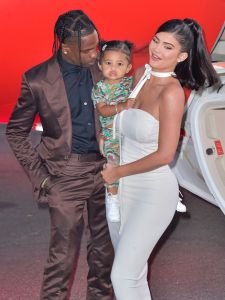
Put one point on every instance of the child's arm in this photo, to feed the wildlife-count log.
(106, 110)
(101, 141)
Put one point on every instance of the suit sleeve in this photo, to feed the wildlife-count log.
(18, 135)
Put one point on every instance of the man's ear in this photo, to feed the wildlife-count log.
(129, 67)
(182, 57)
(65, 49)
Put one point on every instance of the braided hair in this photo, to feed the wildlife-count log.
(197, 70)
(116, 45)
(70, 25)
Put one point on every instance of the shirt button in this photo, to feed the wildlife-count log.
(89, 124)
(85, 103)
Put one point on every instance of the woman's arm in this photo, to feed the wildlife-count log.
(170, 116)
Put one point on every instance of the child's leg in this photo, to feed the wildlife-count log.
(112, 189)
(111, 150)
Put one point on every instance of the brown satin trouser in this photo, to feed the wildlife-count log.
(80, 184)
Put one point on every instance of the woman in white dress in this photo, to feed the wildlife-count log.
(149, 136)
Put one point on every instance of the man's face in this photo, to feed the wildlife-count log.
(86, 55)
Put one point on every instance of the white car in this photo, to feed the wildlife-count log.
(200, 159)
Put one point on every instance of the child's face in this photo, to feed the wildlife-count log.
(114, 65)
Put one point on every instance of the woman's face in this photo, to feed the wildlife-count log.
(165, 52)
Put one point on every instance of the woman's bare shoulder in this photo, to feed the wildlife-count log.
(173, 90)
(172, 97)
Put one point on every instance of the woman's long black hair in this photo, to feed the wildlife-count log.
(197, 70)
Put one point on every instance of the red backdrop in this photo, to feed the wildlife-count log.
(26, 30)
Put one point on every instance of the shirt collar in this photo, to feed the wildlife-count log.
(67, 67)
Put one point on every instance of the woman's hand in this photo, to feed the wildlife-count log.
(130, 103)
(110, 174)
(125, 105)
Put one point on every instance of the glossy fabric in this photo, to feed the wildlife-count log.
(79, 187)
(72, 184)
(43, 93)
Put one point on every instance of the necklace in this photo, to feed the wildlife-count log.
(147, 74)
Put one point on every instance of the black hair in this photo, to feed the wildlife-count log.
(116, 45)
(197, 70)
(70, 25)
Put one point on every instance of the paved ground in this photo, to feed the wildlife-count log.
(187, 264)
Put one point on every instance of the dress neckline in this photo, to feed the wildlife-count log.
(147, 75)
(146, 112)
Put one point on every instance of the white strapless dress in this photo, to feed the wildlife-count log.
(139, 132)
(148, 203)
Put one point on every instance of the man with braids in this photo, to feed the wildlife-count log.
(64, 168)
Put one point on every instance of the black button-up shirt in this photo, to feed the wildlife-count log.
(78, 84)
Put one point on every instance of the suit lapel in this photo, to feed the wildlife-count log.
(54, 89)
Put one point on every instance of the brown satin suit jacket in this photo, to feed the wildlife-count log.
(43, 93)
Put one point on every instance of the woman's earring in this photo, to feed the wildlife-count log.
(65, 52)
